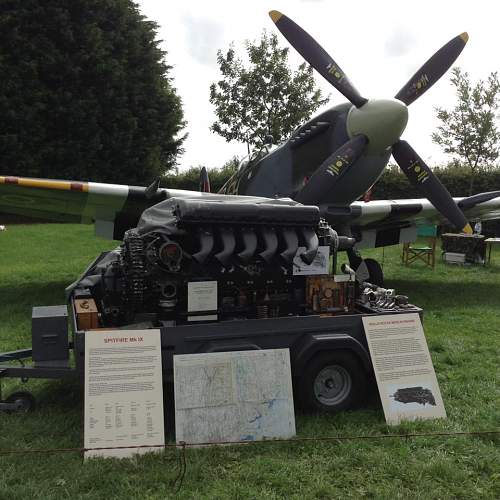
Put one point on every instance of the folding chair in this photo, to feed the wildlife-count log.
(417, 251)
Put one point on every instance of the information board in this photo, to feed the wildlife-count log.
(320, 264)
(202, 297)
(123, 392)
(403, 368)
(233, 396)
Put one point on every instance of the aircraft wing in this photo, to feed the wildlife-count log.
(389, 222)
(108, 205)
(113, 208)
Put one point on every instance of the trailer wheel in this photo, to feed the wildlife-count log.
(25, 401)
(331, 382)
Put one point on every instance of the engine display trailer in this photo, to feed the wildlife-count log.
(331, 366)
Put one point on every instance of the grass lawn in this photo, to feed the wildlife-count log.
(462, 325)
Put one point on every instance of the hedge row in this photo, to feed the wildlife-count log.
(394, 185)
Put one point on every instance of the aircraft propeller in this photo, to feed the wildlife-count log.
(376, 124)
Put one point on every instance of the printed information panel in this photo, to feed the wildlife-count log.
(233, 396)
(202, 296)
(123, 392)
(319, 265)
(403, 368)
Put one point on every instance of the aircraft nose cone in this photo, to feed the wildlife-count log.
(381, 120)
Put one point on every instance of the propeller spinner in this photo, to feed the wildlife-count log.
(376, 125)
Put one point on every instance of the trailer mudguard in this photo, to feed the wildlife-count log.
(323, 342)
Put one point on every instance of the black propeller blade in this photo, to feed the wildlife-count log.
(331, 170)
(420, 175)
(317, 57)
(432, 70)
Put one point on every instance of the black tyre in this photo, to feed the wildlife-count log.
(24, 400)
(331, 382)
(376, 272)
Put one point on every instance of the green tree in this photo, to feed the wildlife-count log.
(85, 92)
(264, 98)
(468, 131)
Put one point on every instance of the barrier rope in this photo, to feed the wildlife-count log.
(182, 446)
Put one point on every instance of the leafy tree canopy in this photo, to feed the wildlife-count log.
(265, 97)
(468, 132)
(85, 92)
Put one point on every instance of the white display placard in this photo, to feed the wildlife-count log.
(123, 392)
(202, 296)
(320, 264)
(403, 368)
(233, 396)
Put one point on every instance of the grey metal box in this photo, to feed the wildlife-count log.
(454, 257)
(49, 332)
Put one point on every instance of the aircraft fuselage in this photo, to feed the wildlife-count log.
(285, 170)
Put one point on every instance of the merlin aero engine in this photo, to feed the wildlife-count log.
(250, 249)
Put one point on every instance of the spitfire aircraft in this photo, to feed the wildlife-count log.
(330, 162)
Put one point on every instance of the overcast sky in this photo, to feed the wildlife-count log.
(379, 44)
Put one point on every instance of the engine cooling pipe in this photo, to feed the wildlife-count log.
(206, 239)
(291, 241)
(311, 241)
(228, 244)
(270, 243)
(249, 240)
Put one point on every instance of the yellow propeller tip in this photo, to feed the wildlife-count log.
(465, 36)
(275, 15)
(467, 229)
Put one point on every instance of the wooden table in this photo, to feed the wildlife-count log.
(489, 243)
